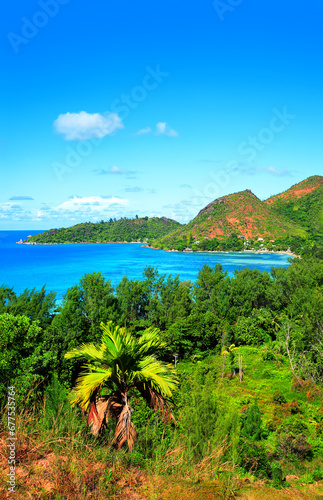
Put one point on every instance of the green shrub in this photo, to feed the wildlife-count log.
(57, 415)
(317, 474)
(267, 374)
(276, 475)
(251, 423)
(278, 397)
(267, 355)
(254, 459)
(292, 446)
(26, 361)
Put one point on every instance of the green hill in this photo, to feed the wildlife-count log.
(226, 222)
(122, 230)
(241, 214)
(302, 204)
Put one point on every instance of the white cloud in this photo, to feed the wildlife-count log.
(10, 207)
(85, 125)
(163, 129)
(266, 170)
(144, 131)
(114, 170)
(274, 171)
(134, 189)
(74, 208)
(90, 204)
(11, 211)
(184, 210)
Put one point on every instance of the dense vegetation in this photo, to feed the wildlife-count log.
(122, 230)
(291, 220)
(298, 245)
(236, 222)
(240, 214)
(298, 190)
(303, 204)
(249, 366)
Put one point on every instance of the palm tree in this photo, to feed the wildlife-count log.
(113, 370)
(229, 351)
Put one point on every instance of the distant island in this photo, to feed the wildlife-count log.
(291, 221)
(113, 231)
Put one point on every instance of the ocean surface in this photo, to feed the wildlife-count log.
(61, 266)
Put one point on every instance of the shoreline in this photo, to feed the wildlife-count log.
(281, 252)
(143, 245)
(81, 243)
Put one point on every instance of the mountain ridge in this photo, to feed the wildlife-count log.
(296, 212)
(302, 204)
(242, 214)
(298, 190)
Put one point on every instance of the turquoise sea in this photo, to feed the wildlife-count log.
(61, 266)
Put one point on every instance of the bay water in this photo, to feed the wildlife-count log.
(61, 266)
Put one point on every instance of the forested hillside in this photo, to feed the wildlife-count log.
(246, 406)
(302, 204)
(225, 220)
(293, 218)
(122, 230)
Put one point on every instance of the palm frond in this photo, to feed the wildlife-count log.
(96, 415)
(116, 340)
(88, 351)
(87, 383)
(101, 409)
(115, 407)
(161, 376)
(150, 342)
(156, 401)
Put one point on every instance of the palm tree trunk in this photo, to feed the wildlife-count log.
(125, 430)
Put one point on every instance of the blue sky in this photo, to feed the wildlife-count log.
(118, 108)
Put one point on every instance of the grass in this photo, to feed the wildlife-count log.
(60, 467)
(57, 458)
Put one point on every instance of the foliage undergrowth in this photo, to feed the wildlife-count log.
(202, 456)
(249, 404)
